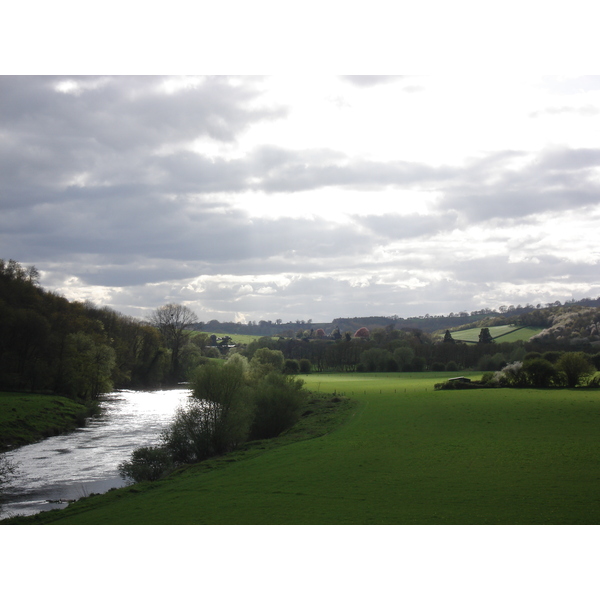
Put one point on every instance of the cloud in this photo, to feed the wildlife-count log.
(370, 80)
(138, 191)
(551, 181)
(582, 111)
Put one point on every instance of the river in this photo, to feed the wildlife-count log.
(85, 461)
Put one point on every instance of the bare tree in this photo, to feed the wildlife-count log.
(172, 320)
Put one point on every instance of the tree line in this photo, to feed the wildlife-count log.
(51, 344)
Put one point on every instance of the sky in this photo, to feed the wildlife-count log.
(303, 196)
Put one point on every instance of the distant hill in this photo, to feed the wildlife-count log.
(524, 316)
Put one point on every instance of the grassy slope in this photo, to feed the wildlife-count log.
(503, 333)
(26, 418)
(408, 456)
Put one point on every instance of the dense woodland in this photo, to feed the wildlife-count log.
(48, 343)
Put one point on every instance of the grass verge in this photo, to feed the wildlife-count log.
(27, 418)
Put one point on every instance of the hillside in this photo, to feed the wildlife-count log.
(522, 316)
(500, 333)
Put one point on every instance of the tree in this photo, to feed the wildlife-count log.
(148, 463)
(220, 390)
(575, 366)
(540, 372)
(448, 337)
(89, 365)
(265, 360)
(485, 337)
(172, 320)
(276, 399)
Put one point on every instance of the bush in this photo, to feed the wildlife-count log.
(188, 438)
(511, 375)
(291, 367)
(305, 366)
(277, 400)
(265, 360)
(576, 366)
(147, 463)
(221, 391)
(540, 372)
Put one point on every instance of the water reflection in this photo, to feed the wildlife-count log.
(67, 467)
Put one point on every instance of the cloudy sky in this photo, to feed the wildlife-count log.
(300, 197)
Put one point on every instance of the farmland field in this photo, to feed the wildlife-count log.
(237, 338)
(504, 333)
(407, 455)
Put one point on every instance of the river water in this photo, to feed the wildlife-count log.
(85, 461)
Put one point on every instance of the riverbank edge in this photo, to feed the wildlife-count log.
(323, 414)
(28, 418)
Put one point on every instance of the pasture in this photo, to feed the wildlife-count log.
(406, 455)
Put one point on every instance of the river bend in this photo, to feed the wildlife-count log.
(85, 461)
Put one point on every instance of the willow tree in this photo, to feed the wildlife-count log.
(172, 320)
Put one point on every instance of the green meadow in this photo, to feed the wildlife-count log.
(402, 454)
(27, 418)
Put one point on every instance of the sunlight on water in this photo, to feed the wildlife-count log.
(67, 467)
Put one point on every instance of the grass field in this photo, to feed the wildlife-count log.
(26, 418)
(237, 338)
(504, 333)
(408, 455)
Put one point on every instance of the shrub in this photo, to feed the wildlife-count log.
(277, 400)
(147, 463)
(576, 366)
(189, 437)
(221, 392)
(291, 367)
(305, 366)
(511, 375)
(552, 356)
(265, 360)
(540, 372)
